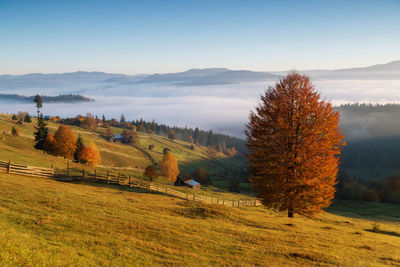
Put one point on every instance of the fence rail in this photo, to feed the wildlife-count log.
(117, 178)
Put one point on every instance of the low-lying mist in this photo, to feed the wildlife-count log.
(223, 108)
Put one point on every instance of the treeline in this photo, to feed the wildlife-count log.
(70, 98)
(221, 142)
(365, 108)
(387, 190)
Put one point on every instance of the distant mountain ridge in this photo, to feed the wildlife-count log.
(191, 77)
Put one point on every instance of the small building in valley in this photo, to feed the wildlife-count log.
(117, 138)
(187, 180)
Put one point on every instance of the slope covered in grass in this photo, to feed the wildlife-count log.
(46, 223)
(123, 158)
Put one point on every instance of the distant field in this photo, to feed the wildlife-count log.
(48, 223)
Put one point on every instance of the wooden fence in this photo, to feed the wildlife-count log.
(10, 167)
(117, 178)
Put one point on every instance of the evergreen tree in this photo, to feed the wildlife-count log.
(14, 117)
(14, 132)
(210, 138)
(122, 120)
(104, 119)
(41, 133)
(27, 118)
(196, 135)
(39, 103)
(78, 148)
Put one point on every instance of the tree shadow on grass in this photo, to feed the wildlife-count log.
(392, 233)
(121, 187)
(366, 210)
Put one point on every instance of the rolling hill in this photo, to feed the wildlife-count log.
(47, 222)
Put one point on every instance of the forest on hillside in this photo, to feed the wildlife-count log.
(69, 98)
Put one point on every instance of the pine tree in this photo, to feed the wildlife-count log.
(210, 138)
(27, 118)
(104, 119)
(41, 133)
(14, 132)
(122, 120)
(39, 103)
(78, 148)
(196, 135)
(293, 142)
(169, 166)
(14, 117)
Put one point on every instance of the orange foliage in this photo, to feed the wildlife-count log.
(90, 155)
(64, 142)
(50, 144)
(294, 145)
(169, 167)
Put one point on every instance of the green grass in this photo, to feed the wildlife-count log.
(48, 223)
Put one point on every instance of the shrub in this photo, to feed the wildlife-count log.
(202, 176)
(150, 172)
(90, 155)
(376, 228)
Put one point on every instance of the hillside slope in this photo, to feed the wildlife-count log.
(123, 158)
(48, 223)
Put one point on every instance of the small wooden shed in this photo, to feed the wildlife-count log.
(187, 180)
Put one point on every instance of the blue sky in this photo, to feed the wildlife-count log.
(168, 36)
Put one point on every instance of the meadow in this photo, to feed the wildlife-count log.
(44, 222)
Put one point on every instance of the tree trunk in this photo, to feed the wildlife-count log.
(290, 211)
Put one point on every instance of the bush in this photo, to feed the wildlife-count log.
(202, 176)
(376, 228)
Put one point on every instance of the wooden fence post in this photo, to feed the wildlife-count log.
(95, 174)
(83, 173)
(107, 177)
(118, 178)
(67, 168)
(129, 181)
(223, 202)
(9, 166)
(194, 196)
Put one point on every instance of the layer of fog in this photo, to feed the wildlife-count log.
(223, 108)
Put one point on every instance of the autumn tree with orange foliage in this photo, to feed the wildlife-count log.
(64, 142)
(50, 145)
(169, 166)
(90, 155)
(294, 145)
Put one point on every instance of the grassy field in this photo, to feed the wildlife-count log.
(123, 158)
(48, 223)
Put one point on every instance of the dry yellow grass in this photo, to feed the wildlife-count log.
(48, 223)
